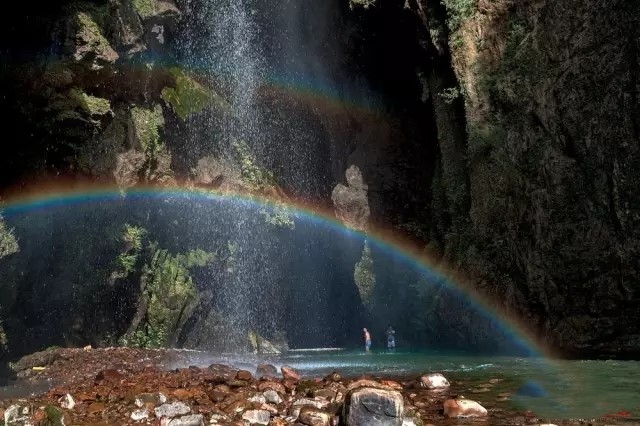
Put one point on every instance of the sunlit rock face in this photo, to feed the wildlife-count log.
(350, 201)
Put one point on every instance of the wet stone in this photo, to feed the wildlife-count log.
(463, 408)
(244, 375)
(434, 381)
(369, 406)
(266, 370)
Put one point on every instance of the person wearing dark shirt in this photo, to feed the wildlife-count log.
(391, 337)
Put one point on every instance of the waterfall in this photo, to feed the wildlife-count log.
(245, 49)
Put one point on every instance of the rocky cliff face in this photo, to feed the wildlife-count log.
(508, 141)
(540, 185)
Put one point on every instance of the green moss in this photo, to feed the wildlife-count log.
(145, 8)
(458, 11)
(257, 178)
(279, 216)
(189, 97)
(171, 295)
(55, 416)
(364, 276)
(254, 176)
(91, 33)
(8, 241)
(127, 260)
(147, 123)
(90, 104)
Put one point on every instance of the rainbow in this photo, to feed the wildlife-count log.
(51, 197)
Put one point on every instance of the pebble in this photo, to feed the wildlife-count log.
(260, 417)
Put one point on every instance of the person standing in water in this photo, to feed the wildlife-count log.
(367, 340)
(391, 337)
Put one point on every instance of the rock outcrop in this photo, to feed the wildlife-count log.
(534, 189)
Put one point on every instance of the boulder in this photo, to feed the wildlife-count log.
(366, 406)
(272, 397)
(244, 375)
(312, 416)
(461, 407)
(434, 381)
(266, 370)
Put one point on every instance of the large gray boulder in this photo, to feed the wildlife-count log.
(367, 406)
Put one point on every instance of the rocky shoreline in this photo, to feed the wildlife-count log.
(124, 386)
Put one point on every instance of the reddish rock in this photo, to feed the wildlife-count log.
(84, 397)
(183, 394)
(217, 396)
(278, 387)
(290, 385)
(266, 370)
(96, 407)
(244, 375)
(289, 373)
(109, 375)
(463, 408)
(391, 384)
